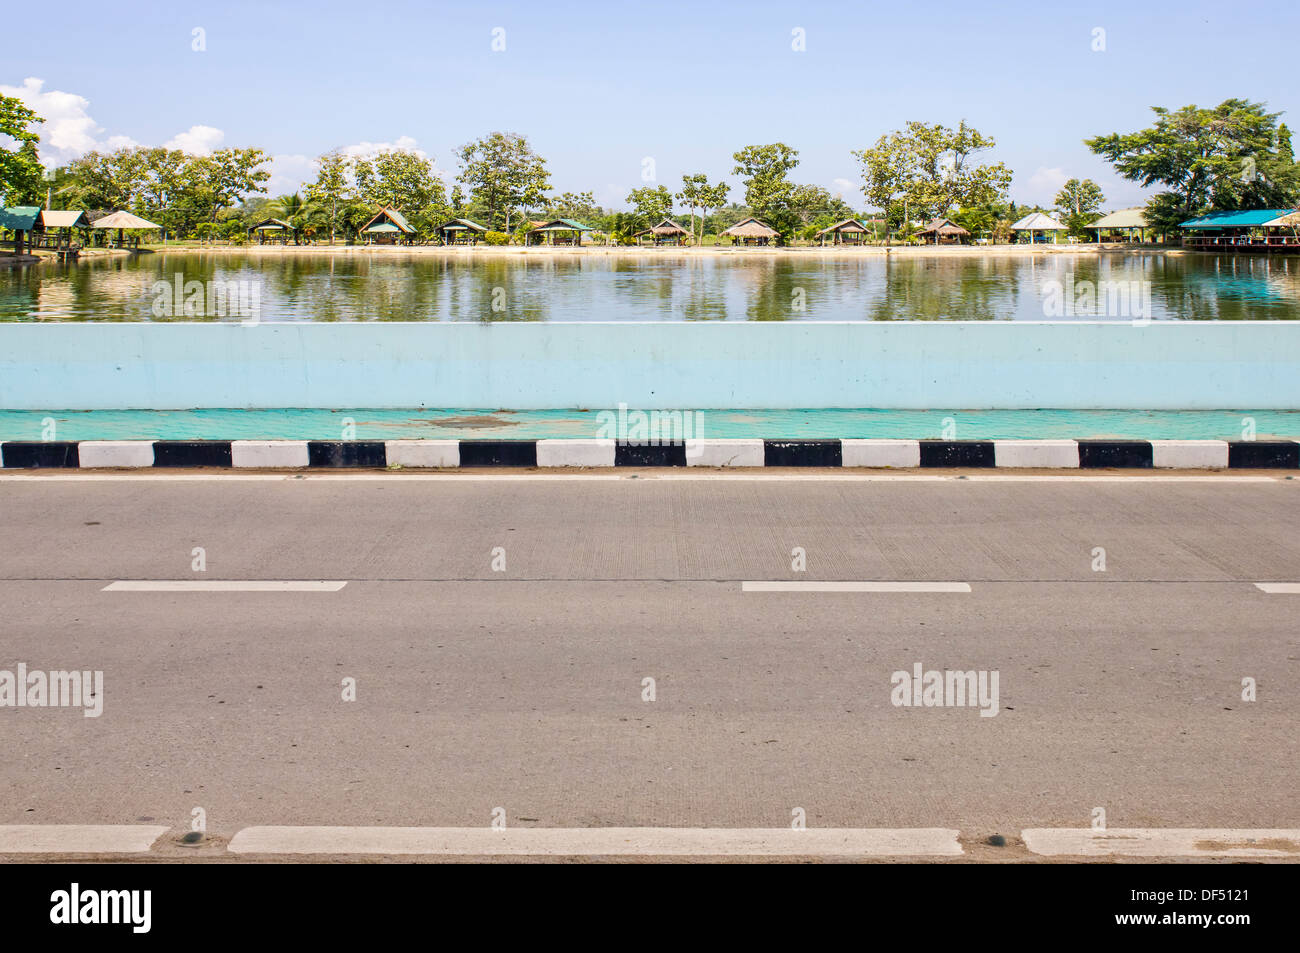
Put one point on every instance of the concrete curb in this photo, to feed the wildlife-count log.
(452, 454)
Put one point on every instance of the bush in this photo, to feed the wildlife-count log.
(495, 238)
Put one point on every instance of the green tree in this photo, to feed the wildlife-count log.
(580, 206)
(711, 197)
(332, 187)
(652, 204)
(1079, 203)
(401, 180)
(767, 186)
(698, 193)
(294, 210)
(19, 169)
(932, 170)
(220, 180)
(1230, 156)
(1079, 197)
(503, 174)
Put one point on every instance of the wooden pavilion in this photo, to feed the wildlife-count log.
(124, 221)
(387, 227)
(559, 231)
(1036, 222)
(461, 231)
(22, 220)
(1126, 225)
(274, 228)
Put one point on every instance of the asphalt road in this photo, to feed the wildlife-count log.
(523, 688)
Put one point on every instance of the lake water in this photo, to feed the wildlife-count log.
(664, 286)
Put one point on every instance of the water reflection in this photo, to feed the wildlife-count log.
(654, 286)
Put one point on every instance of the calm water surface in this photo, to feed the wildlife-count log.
(656, 287)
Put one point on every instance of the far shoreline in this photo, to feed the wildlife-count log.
(627, 251)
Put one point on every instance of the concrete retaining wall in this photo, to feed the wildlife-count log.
(909, 365)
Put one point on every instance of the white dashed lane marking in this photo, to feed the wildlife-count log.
(223, 585)
(782, 586)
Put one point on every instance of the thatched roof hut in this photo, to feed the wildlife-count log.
(666, 231)
(750, 232)
(945, 230)
(851, 231)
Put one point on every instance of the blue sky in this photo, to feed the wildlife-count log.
(598, 87)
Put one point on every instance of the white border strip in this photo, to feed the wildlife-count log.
(222, 585)
(1279, 588)
(78, 838)
(778, 586)
(1164, 842)
(600, 841)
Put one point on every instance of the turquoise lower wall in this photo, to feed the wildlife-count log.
(911, 365)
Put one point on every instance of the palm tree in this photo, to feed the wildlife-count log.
(295, 211)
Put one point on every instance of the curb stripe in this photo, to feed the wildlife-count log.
(1136, 454)
(35, 454)
(659, 455)
(1063, 454)
(957, 453)
(192, 453)
(78, 838)
(607, 841)
(269, 453)
(802, 453)
(1163, 842)
(498, 453)
(347, 453)
(1264, 454)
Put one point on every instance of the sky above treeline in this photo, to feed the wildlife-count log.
(600, 88)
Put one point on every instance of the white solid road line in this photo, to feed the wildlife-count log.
(779, 586)
(1279, 588)
(222, 585)
(78, 838)
(1164, 842)
(606, 841)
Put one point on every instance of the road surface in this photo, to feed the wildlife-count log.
(501, 631)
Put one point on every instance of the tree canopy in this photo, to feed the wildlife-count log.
(20, 170)
(1227, 157)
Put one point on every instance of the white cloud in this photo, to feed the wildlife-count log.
(1043, 185)
(366, 150)
(68, 130)
(289, 172)
(197, 140)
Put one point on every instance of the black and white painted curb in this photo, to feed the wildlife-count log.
(452, 454)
